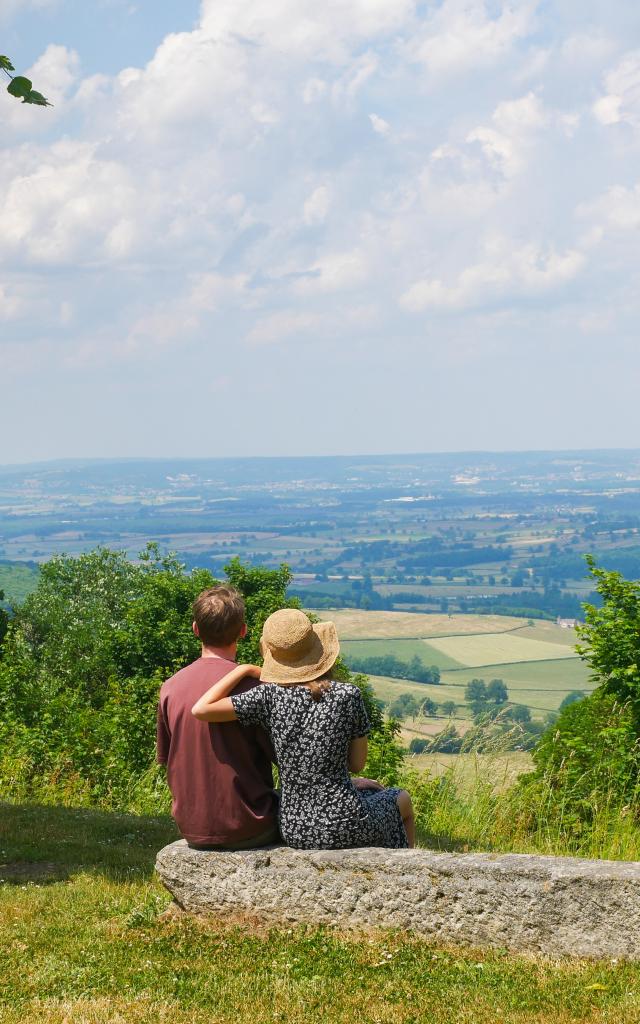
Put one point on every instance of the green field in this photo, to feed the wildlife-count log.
(541, 686)
(388, 689)
(404, 650)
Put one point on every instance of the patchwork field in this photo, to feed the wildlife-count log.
(538, 663)
(541, 686)
(497, 649)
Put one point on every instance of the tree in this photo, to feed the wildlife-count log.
(418, 746)
(571, 698)
(518, 713)
(590, 758)
(21, 87)
(449, 708)
(497, 691)
(429, 708)
(415, 667)
(475, 690)
(404, 706)
(609, 641)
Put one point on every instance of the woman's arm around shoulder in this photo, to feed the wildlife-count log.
(216, 705)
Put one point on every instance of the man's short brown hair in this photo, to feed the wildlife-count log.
(219, 615)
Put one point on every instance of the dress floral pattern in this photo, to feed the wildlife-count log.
(320, 807)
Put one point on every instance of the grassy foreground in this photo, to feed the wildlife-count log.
(82, 942)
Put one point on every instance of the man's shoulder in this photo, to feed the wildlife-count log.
(204, 671)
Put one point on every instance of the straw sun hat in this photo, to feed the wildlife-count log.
(294, 650)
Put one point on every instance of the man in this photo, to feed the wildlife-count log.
(220, 777)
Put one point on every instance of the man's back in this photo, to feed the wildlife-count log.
(219, 775)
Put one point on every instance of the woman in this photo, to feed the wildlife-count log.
(318, 728)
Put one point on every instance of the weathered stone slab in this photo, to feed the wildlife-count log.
(560, 906)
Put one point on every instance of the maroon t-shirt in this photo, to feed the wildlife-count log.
(219, 774)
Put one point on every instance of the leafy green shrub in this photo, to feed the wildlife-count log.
(571, 698)
(590, 756)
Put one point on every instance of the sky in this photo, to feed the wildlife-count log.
(290, 228)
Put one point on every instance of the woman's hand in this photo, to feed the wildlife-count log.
(251, 670)
(362, 783)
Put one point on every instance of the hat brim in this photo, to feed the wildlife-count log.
(320, 657)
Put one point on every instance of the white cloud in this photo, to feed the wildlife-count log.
(210, 291)
(462, 34)
(10, 305)
(67, 204)
(621, 101)
(379, 124)
(313, 90)
(504, 272)
(317, 206)
(617, 210)
(585, 48)
(506, 143)
(8, 8)
(335, 271)
(304, 28)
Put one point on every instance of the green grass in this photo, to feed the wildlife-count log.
(388, 689)
(541, 685)
(405, 650)
(91, 948)
(472, 806)
(465, 771)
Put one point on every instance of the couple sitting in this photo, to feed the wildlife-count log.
(221, 726)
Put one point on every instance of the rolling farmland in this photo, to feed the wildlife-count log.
(537, 662)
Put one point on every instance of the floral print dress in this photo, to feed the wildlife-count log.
(320, 807)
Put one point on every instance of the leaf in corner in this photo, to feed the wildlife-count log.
(19, 86)
(37, 98)
(5, 64)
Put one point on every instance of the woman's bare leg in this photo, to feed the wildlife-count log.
(406, 810)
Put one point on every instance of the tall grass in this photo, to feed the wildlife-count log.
(473, 805)
(470, 810)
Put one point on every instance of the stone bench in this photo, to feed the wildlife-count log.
(560, 906)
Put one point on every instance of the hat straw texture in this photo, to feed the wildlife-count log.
(295, 650)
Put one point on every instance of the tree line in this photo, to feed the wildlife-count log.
(395, 668)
